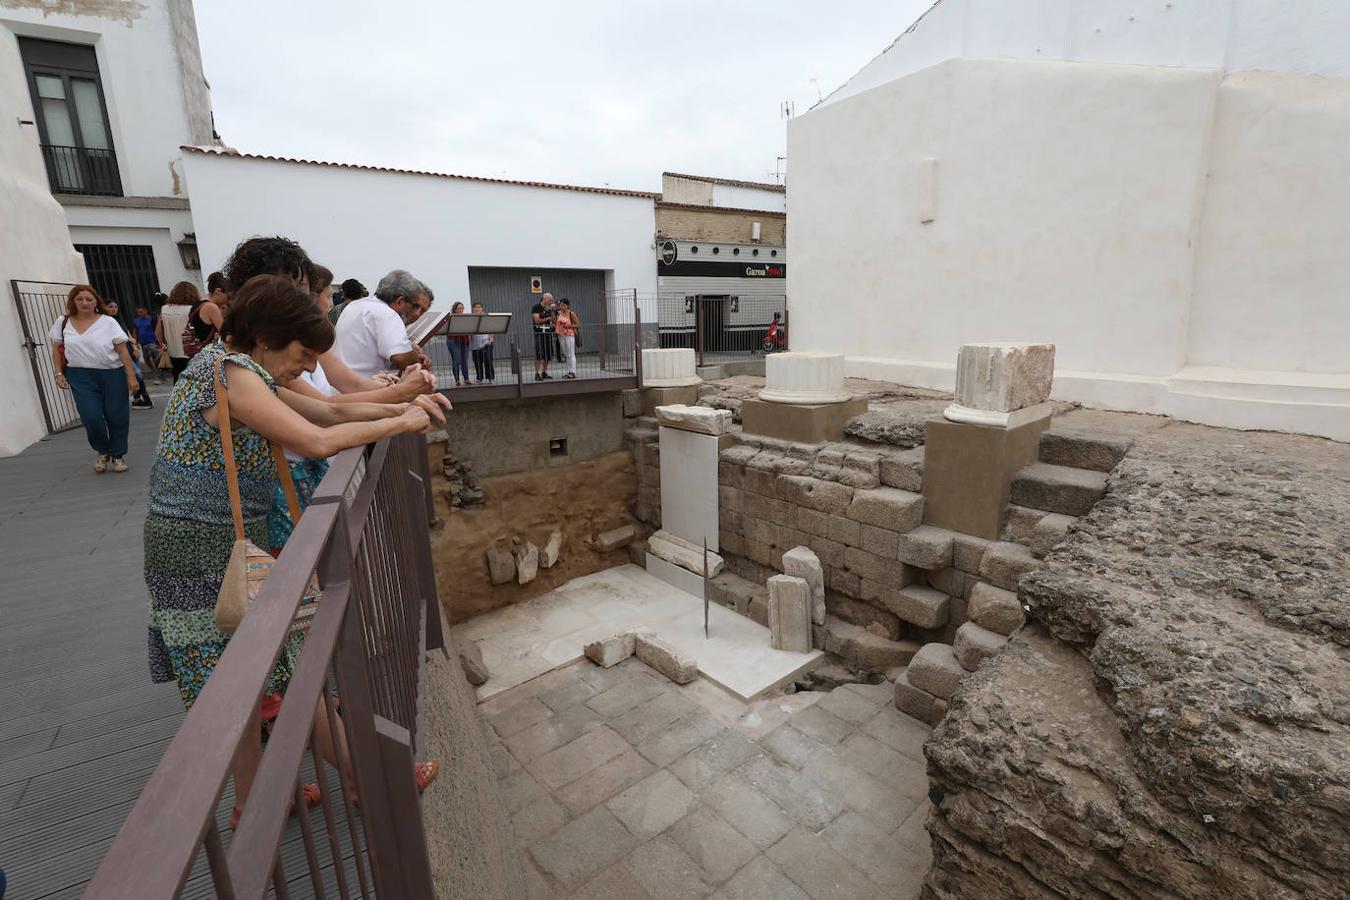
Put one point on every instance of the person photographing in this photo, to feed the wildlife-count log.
(544, 317)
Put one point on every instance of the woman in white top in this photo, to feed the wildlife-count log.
(89, 353)
(173, 318)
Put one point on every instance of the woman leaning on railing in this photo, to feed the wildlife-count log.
(272, 332)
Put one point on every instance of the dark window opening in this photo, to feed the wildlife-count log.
(557, 446)
(73, 128)
(122, 272)
(716, 250)
(735, 251)
(693, 249)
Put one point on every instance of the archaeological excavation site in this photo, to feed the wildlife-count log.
(767, 631)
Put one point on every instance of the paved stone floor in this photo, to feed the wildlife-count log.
(621, 784)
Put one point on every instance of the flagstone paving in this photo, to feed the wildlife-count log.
(624, 785)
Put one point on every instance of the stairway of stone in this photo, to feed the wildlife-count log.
(1070, 476)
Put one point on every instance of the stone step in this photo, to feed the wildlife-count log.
(744, 596)
(1058, 489)
(861, 648)
(1082, 450)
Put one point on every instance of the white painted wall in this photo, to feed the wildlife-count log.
(363, 223)
(34, 245)
(737, 197)
(1295, 36)
(151, 72)
(1177, 234)
(161, 229)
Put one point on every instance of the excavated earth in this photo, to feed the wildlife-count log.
(1176, 720)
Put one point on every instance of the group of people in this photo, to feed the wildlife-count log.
(557, 327)
(293, 381)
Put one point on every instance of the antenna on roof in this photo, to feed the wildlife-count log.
(787, 110)
(777, 173)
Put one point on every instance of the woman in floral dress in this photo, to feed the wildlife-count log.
(272, 332)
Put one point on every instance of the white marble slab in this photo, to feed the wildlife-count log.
(526, 640)
(689, 486)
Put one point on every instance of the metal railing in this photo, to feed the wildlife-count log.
(82, 170)
(718, 327)
(41, 304)
(365, 536)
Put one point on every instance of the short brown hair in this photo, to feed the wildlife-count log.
(76, 291)
(323, 277)
(274, 310)
(185, 293)
(215, 282)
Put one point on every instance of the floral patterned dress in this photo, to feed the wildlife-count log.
(189, 531)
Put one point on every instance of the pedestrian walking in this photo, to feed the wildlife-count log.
(459, 350)
(91, 359)
(273, 331)
(144, 323)
(568, 324)
(173, 319)
(480, 345)
(141, 399)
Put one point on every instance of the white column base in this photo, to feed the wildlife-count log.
(965, 414)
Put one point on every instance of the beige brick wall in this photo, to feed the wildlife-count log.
(712, 224)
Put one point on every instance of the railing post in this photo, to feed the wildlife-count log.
(698, 326)
(787, 332)
(604, 327)
(519, 368)
(409, 838)
(419, 479)
(637, 342)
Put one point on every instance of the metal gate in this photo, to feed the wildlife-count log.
(40, 304)
(125, 273)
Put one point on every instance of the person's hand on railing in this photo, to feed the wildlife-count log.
(388, 379)
(415, 419)
(435, 405)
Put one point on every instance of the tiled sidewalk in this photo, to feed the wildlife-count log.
(622, 784)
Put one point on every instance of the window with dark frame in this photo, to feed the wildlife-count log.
(72, 117)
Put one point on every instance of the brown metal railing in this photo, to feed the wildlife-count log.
(40, 305)
(365, 535)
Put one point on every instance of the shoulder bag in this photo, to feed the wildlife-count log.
(249, 564)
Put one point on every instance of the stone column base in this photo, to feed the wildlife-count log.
(652, 397)
(968, 471)
(804, 423)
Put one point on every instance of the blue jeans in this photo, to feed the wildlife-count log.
(104, 404)
(459, 360)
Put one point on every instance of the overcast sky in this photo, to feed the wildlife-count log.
(587, 92)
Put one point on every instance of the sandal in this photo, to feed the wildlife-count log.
(424, 773)
(101, 464)
(313, 796)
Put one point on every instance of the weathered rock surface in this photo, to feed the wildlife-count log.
(702, 419)
(1177, 723)
(501, 564)
(552, 550)
(802, 562)
(615, 538)
(935, 669)
(994, 608)
(527, 562)
(664, 658)
(471, 660)
(973, 645)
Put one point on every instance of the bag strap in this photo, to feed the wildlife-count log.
(232, 469)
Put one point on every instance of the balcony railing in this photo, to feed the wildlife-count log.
(82, 170)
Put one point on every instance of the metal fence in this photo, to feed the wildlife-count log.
(365, 536)
(718, 327)
(82, 170)
(605, 344)
(40, 304)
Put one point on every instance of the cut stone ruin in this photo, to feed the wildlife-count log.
(659, 655)
(804, 399)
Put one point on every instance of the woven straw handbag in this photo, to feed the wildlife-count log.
(249, 564)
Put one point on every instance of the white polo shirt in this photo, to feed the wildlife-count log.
(96, 348)
(369, 332)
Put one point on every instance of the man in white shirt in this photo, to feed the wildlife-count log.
(372, 334)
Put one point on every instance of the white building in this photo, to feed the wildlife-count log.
(1158, 188)
(113, 90)
(480, 238)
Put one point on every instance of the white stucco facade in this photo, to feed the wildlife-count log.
(156, 100)
(363, 222)
(1175, 226)
(34, 245)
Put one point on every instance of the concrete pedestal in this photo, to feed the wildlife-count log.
(968, 471)
(813, 423)
(652, 397)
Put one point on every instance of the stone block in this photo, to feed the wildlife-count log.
(968, 472)
(844, 531)
(813, 493)
(957, 611)
(729, 474)
(685, 554)
(760, 481)
(501, 564)
(615, 538)
(862, 614)
(701, 419)
(831, 553)
(843, 581)
(527, 562)
(632, 403)
(665, 658)
(973, 645)
(995, 609)
(1049, 531)
(802, 423)
(926, 547)
(921, 606)
(913, 701)
(471, 660)
(789, 614)
(1058, 489)
(950, 581)
(889, 508)
(637, 553)
(902, 469)
(967, 551)
(584, 847)
(552, 550)
(867, 565)
(802, 562)
(1019, 523)
(864, 649)
(881, 541)
(1083, 451)
(812, 521)
(1004, 563)
(611, 650)
(1004, 377)
(936, 669)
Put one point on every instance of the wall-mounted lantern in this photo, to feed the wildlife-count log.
(187, 248)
